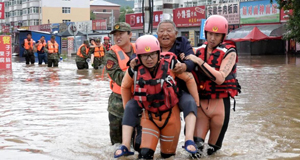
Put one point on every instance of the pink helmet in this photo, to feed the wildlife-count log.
(146, 44)
(106, 38)
(216, 24)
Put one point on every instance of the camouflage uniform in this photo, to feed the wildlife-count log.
(81, 62)
(52, 57)
(115, 105)
(97, 60)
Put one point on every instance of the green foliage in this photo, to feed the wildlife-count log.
(123, 12)
(292, 25)
(92, 15)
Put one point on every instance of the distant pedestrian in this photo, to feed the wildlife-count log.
(42, 56)
(29, 49)
(53, 52)
(83, 54)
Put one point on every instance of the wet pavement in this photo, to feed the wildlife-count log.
(60, 113)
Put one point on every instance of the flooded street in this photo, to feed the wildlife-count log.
(60, 113)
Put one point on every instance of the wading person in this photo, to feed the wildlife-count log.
(116, 59)
(29, 50)
(52, 50)
(42, 56)
(97, 54)
(83, 54)
(169, 42)
(215, 76)
(157, 94)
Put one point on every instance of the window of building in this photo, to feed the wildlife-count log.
(13, 2)
(18, 2)
(34, 10)
(6, 4)
(34, 22)
(7, 14)
(25, 11)
(66, 9)
(23, 1)
(18, 13)
(66, 20)
(104, 10)
(28, 10)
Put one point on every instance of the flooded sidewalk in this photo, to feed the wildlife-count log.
(60, 113)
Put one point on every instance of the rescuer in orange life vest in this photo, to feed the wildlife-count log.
(115, 62)
(42, 56)
(156, 93)
(97, 54)
(29, 49)
(83, 54)
(106, 43)
(215, 75)
(52, 48)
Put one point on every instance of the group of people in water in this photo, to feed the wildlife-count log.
(155, 79)
(48, 52)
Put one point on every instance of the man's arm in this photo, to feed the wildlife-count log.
(83, 52)
(187, 51)
(46, 48)
(112, 67)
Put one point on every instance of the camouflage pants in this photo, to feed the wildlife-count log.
(115, 129)
(115, 116)
(97, 62)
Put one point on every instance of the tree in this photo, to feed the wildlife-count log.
(292, 26)
(92, 15)
(123, 12)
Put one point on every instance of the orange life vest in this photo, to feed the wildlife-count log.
(41, 45)
(122, 61)
(52, 48)
(207, 88)
(28, 44)
(99, 52)
(79, 52)
(157, 94)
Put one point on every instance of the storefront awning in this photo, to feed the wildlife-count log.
(276, 30)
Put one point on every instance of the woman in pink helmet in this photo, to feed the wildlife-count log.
(156, 93)
(215, 75)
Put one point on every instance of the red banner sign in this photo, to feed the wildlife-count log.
(99, 24)
(2, 15)
(284, 15)
(45, 27)
(136, 19)
(188, 17)
(5, 52)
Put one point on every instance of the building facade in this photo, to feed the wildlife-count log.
(36, 12)
(158, 4)
(103, 10)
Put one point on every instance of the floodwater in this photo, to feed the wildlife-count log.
(60, 113)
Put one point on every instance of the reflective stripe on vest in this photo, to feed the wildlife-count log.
(99, 52)
(52, 49)
(28, 44)
(41, 45)
(79, 52)
(122, 61)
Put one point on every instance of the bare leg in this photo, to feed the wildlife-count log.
(190, 122)
(126, 137)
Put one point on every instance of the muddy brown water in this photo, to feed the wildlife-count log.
(60, 113)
